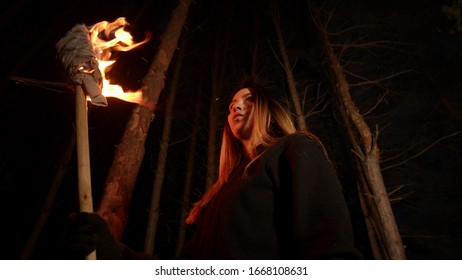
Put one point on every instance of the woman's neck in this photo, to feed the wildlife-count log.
(248, 148)
(249, 145)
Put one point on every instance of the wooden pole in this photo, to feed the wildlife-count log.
(83, 156)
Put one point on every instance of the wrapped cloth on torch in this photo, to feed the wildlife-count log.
(79, 59)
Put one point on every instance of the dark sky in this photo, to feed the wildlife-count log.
(36, 122)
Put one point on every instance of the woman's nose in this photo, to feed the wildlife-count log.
(238, 106)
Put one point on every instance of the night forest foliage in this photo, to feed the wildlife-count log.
(401, 58)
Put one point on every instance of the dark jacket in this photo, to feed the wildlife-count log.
(286, 204)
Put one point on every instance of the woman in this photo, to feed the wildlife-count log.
(277, 195)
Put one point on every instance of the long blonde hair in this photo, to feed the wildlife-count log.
(271, 122)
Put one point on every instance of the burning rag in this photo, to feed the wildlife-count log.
(80, 62)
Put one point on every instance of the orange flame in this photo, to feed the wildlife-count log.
(109, 36)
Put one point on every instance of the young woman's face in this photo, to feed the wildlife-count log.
(241, 112)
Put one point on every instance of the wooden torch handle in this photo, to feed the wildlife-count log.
(83, 155)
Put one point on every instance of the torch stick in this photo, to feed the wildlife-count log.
(83, 156)
(79, 58)
(80, 64)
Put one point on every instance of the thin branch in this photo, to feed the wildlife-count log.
(379, 44)
(318, 101)
(358, 155)
(352, 28)
(368, 82)
(276, 56)
(49, 85)
(381, 98)
(421, 152)
(396, 189)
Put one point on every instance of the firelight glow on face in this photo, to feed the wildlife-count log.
(241, 111)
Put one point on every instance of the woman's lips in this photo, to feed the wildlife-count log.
(238, 117)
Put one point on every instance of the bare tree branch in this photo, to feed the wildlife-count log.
(421, 152)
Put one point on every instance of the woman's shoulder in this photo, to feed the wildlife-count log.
(301, 136)
(300, 147)
(299, 141)
(302, 142)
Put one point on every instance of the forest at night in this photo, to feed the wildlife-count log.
(400, 60)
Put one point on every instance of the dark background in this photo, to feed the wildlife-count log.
(419, 116)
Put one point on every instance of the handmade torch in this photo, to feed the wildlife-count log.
(81, 52)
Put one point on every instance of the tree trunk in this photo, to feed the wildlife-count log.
(150, 238)
(369, 210)
(299, 115)
(369, 153)
(219, 63)
(189, 178)
(211, 146)
(129, 153)
(48, 204)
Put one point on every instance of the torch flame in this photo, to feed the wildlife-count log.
(106, 37)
